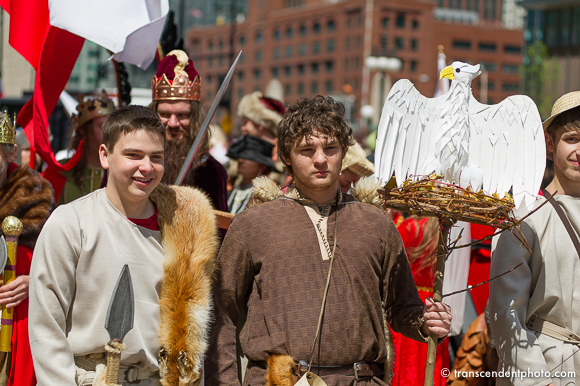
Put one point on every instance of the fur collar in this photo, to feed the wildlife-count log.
(364, 191)
(30, 198)
(190, 244)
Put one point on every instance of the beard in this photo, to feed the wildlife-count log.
(175, 157)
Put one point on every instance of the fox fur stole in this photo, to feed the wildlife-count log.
(190, 244)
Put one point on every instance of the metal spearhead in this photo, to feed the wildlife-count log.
(3, 253)
(121, 310)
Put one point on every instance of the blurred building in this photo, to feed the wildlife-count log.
(557, 24)
(319, 46)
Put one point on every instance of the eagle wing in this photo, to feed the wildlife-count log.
(507, 144)
(407, 133)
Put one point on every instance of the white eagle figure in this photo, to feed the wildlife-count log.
(493, 148)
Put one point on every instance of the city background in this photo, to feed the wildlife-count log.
(310, 47)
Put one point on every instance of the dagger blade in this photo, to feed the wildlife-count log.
(3, 253)
(121, 309)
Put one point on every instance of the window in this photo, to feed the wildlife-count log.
(302, 49)
(399, 43)
(259, 38)
(287, 89)
(300, 88)
(414, 44)
(315, 47)
(314, 68)
(488, 47)
(276, 53)
(400, 21)
(473, 5)
(314, 87)
(275, 72)
(210, 45)
(488, 66)
(258, 56)
(330, 26)
(257, 74)
(385, 22)
(413, 67)
(462, 44)
(221, 44)
(512, 49)
(240, 76)
(316, 27)
(240, 94)
(289, 51)
(415, 24)
(511, 87)
(288, 71)
(289, 32)
(347, 43)
(242, 40)
(330, 45)
(276, 34)
(328, 86)
(301, 69)
(329, 66)
(384, 43)
(510, 68)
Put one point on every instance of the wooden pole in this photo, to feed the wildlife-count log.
(444, 228)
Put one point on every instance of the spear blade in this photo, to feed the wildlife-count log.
(205, 124)
(121, 311)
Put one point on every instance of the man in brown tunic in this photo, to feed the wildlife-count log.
(274, 264)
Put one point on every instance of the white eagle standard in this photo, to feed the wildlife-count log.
(493, 148)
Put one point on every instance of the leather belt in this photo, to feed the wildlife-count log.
(552, 330)
(127, 374)
(358, 370)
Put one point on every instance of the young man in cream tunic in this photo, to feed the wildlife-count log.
(535, 310)
(84, 246)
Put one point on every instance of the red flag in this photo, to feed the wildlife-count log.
(53, 53)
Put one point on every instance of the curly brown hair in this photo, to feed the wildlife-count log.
(320, 114)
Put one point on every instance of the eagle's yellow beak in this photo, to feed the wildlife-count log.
(447, 72)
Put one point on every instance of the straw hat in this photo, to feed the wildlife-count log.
(356, 161)
(564, 103)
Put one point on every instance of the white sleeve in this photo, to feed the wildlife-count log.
(509, 295)
(52, 289)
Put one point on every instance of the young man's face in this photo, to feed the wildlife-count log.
(316, 162)
(135, 165)
(175, 118)
(565, 148)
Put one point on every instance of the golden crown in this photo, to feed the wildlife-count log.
(92, 107)
(181, 88)
(7, 130)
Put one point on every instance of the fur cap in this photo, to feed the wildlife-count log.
(263, 111)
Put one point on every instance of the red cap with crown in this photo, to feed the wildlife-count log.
(176, 79)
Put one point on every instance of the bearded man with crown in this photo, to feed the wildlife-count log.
(176, 89)
(27, 196)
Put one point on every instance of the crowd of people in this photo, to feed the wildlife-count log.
(311, 282)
